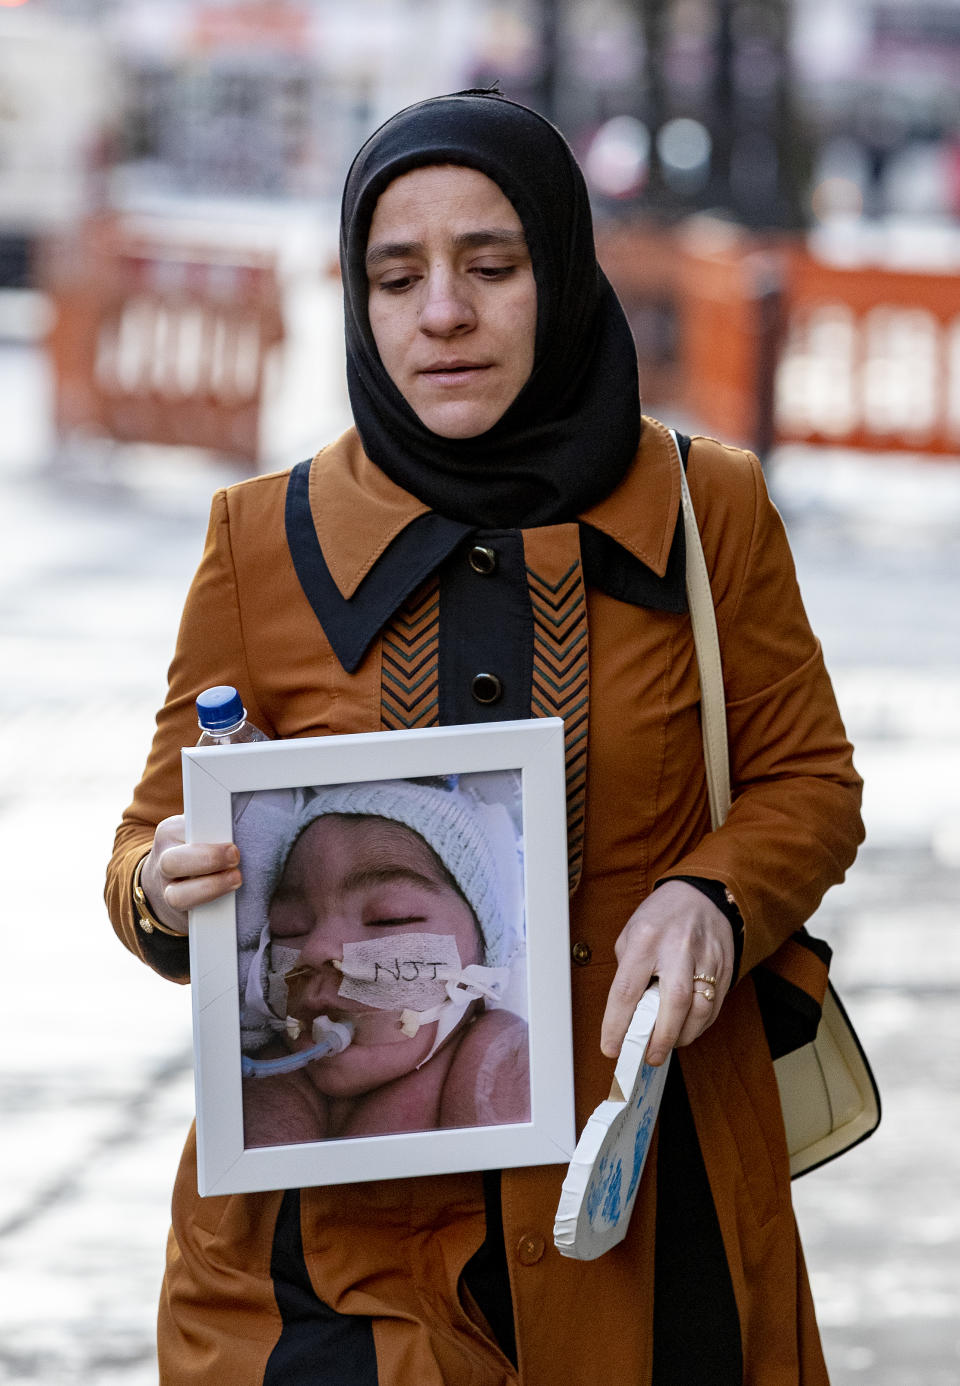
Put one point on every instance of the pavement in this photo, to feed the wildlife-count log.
(96, 1068)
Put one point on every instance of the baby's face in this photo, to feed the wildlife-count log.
(352, 880)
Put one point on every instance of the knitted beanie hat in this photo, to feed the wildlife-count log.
(447, 820)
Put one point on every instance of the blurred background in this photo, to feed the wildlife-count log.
(776, 186)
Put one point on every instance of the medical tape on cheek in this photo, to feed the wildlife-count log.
(400, 971)
(281, 959)
(475, 983)
(418, 977)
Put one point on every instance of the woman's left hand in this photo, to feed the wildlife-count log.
(676, 935)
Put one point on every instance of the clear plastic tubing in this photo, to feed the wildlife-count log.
(335, 1039)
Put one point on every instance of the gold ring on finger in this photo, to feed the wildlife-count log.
(705, 977)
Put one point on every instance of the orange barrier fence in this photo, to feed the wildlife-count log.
(704, 304)
(871, 358)
(730, 325)
(759, 343)
(642, 265)
(160, 342)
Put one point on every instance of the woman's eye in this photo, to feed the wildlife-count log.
(397, 283)
(495, 271)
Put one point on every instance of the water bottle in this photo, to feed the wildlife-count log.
(223, 719)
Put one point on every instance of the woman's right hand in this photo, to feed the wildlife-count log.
(177, 876)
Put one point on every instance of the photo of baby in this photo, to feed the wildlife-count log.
(381, 956)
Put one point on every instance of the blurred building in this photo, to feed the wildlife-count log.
(145, 104)
(270, 98)
(880, 81)
(722, 141)
(59, 94)
(774, 112)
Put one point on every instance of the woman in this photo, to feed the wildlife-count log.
(499, 538)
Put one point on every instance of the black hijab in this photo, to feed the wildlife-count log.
(572, 432)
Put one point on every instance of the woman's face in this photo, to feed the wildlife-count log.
(354, 880)
(452, 298)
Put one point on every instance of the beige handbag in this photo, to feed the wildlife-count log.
(828, 1094)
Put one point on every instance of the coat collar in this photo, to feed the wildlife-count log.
(361, 544)
(358, 511)
(641, 513)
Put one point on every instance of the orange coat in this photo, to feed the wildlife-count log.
(395, 1250)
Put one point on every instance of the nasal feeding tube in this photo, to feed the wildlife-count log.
(330, 1037)
(419, 976)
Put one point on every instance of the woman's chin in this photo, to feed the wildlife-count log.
(457, 420)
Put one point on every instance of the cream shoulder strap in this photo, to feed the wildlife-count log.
(713, 711)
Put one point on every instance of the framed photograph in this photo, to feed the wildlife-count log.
(388, 993)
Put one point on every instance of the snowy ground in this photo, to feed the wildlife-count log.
(877, 544)
(96, 1078)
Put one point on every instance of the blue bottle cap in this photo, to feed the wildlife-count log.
(219, 708)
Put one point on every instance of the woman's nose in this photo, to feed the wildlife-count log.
(446, 308)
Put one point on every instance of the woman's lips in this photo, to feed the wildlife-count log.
(455, 373)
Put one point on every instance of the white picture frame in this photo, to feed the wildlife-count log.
(532, 752)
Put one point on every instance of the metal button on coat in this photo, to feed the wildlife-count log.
(581, 954)
(486, 688)
(482, 560)
(530, 1249)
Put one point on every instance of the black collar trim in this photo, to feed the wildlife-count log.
(607, 565)
(351, 624)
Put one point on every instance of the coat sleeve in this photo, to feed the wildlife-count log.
(794, 826)
(209, 651)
